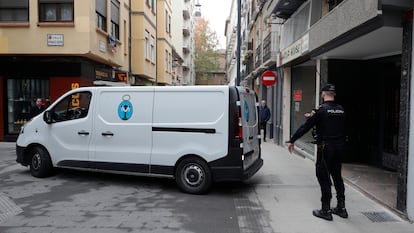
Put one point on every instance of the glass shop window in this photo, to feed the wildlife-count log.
(21, 96)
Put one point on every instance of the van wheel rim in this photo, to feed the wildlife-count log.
(36, 161)
(193, 175)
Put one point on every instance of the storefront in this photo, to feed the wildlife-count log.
(303, 100)
(24, 79)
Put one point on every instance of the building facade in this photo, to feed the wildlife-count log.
(49, 47)
(364, 48)
(183, 43)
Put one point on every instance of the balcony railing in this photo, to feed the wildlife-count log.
(270, 49)
(258, 56)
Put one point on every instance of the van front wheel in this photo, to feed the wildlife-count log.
(40, 164)
(193, 176)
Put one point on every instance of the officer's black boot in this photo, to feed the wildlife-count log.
(340, 209)
(324, 213)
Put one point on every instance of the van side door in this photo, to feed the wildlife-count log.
(70, 130)
(122, 139)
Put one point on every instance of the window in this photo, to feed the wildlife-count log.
(115, 18)
(167, 22)
(72, 107)
(166, 61)
(21, 95)
(56, 10)
(101, 15)
(147, 45)
(14, 11)
(153, 49)
(151, 4)
(333, 3)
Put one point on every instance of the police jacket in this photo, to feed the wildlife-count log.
(329, 120)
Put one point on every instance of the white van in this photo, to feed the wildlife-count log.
(197, 135)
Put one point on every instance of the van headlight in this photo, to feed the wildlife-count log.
(22, 130)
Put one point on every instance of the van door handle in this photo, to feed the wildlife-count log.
(251, 137)
(83, 133)
(107, 133)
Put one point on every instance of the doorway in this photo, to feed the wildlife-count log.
(369, 91)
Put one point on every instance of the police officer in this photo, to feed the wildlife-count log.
(329, 121)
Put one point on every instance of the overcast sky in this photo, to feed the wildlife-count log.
(216, 12)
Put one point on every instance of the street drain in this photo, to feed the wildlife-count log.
(379, 217)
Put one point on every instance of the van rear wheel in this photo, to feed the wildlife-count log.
(40, 164)
(193, 176)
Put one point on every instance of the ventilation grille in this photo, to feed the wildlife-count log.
(379, 217)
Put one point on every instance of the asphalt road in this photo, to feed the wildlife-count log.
(278, 199)
(79, 202)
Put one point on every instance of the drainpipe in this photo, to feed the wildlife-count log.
(238, 41)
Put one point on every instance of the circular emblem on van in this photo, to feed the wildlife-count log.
(246, 111)
(125, 108)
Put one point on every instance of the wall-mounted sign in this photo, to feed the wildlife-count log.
(102, 74)
(295, 50)
(120, 76)
(102, 46)
(297, 95)
(55, 40)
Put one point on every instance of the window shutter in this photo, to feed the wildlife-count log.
(14, 4)
(115, 11)
(55, 1)
(101, 7)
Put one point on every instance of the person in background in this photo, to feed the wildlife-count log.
(37, 108)
(264, 117)
(329, 120)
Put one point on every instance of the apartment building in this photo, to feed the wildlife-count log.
(364, 47)
(48, 47)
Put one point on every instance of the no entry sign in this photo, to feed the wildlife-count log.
(268, 78)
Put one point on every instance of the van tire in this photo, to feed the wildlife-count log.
(40, 162)
(193, 176)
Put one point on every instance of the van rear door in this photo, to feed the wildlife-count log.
(250, 125)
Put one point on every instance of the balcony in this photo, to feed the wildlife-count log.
(186, 32)
(270, 50)
(258, 56)
(186, 14)
(285, 8)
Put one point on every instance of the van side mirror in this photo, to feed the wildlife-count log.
(47, 117)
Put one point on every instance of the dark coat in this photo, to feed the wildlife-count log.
(264, 114)
(35, 110)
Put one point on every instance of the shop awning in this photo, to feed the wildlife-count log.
(285, 8)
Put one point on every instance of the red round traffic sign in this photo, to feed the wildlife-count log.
(269, 78)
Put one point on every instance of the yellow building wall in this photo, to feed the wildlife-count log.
(143, 19)
(80, 37)
(163, 42)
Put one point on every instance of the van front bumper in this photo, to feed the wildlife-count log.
(20, 155)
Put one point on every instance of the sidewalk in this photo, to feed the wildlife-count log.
(291, 192)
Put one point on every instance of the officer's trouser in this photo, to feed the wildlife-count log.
(328, 163)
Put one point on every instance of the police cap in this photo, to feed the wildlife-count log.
(328, 87)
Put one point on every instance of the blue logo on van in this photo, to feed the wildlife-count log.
(246, 111)
(125, 108)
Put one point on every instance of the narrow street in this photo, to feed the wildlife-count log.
(278, 199)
